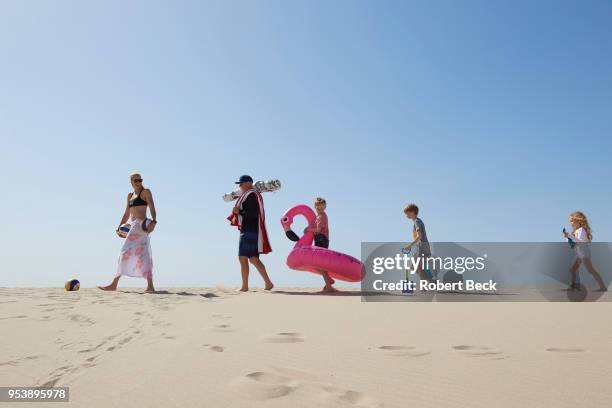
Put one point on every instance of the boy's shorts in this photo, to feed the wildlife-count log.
(321, 240)
(422, 249)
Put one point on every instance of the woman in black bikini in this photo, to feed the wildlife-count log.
(135, 258)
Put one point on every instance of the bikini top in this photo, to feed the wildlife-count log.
(136, 202)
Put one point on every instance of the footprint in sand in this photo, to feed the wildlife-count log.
(222, 328)
(119, 344)
(481, 351)
(212, 347)
(124, 340)
(101, 301)
(221, 316)
(161, 323)
(16, 362)
(82, 320)
(13, 317)
(339, 397)
(570, 351)
(404, 351)
(54, 309)
(285, 337)
(264, 386)
(97, 346)
(58, 374)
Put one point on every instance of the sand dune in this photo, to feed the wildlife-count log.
(216, 348)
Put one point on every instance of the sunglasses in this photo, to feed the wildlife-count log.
(137, 180)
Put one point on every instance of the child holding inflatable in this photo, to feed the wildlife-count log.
(321, 238)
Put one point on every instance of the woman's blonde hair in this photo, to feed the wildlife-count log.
(584, 223)
(134, 175)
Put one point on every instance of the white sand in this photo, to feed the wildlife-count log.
(215, 348)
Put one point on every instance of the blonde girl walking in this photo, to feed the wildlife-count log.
(582, 236)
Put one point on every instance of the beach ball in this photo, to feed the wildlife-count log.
(72, 284)
(123, 230)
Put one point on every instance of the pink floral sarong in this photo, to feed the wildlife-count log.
(135, 258)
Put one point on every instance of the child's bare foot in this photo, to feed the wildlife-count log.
(329, 288)
(572, 287)
(110, 287)
(149, 290)
(244, 289)
(269, 286)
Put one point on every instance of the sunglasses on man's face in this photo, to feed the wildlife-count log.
(137, 180)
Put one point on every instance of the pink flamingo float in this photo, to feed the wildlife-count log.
(306, 257)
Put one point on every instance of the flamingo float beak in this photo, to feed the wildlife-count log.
(292, 235)
(286, 222)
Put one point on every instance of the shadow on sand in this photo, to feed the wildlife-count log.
(320, 293)
(207, 295)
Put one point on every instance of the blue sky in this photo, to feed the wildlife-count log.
(494, 116)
